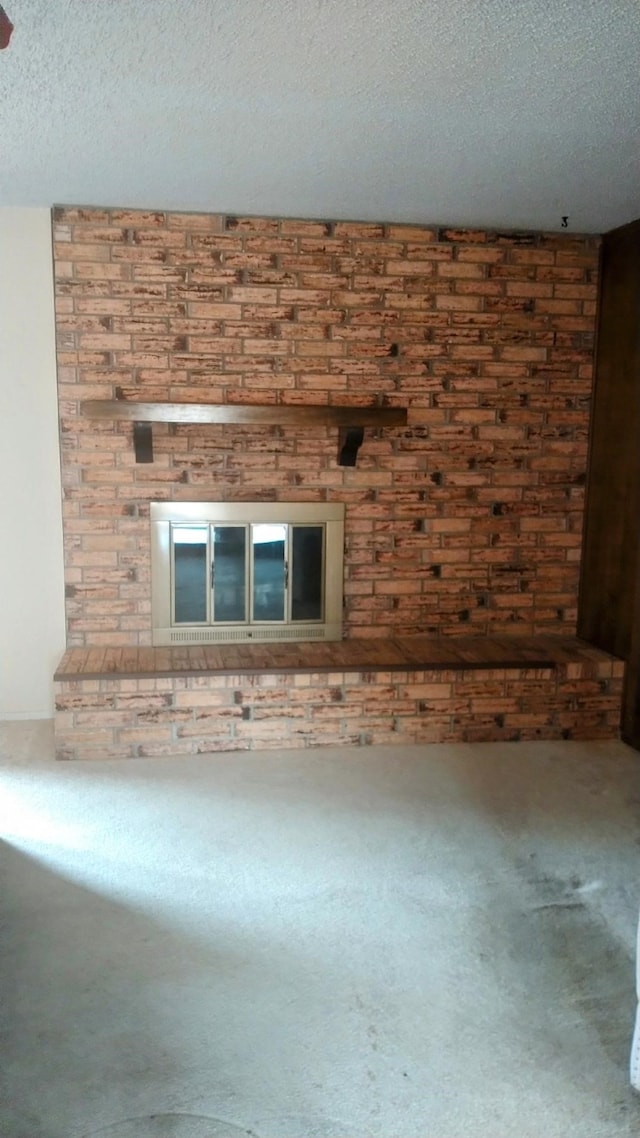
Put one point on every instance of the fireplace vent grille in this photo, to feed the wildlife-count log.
(213, 636)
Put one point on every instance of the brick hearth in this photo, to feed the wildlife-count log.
(110, 704)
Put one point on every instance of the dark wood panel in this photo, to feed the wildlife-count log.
(609, 601)
(631, 690)
(609, 571)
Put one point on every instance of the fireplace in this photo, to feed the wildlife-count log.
(247, 571)
(467, 522)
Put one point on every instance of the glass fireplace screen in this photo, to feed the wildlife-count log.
(250, 571)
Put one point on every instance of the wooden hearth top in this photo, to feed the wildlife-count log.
(402, 653)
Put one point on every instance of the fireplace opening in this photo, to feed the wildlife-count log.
(246, 571)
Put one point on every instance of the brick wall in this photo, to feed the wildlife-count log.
(467, 521)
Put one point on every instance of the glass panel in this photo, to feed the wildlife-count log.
(190, 573)
(306, 572)
(269, 571)
(230, 573)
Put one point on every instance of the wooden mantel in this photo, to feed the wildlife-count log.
(350, 421)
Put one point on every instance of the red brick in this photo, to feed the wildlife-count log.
(464, 236)
(410, 233)
(457, 268)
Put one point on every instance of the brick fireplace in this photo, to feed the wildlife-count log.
(465, 521)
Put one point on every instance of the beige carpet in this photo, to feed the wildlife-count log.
(377, 943)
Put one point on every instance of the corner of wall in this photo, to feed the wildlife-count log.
(32, 631)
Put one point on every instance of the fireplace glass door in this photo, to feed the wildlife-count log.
(246, 571)
(190, 556)
(228, 576)
(247, 574)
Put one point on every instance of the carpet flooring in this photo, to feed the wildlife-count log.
(426, 942)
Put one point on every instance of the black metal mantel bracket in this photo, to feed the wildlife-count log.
(143, 442)
(349, 443)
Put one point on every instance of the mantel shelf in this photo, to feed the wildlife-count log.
(351, 421)
(265, 413)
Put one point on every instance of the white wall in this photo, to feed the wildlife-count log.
(32, 628)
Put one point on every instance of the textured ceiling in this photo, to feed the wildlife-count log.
(486, 112)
